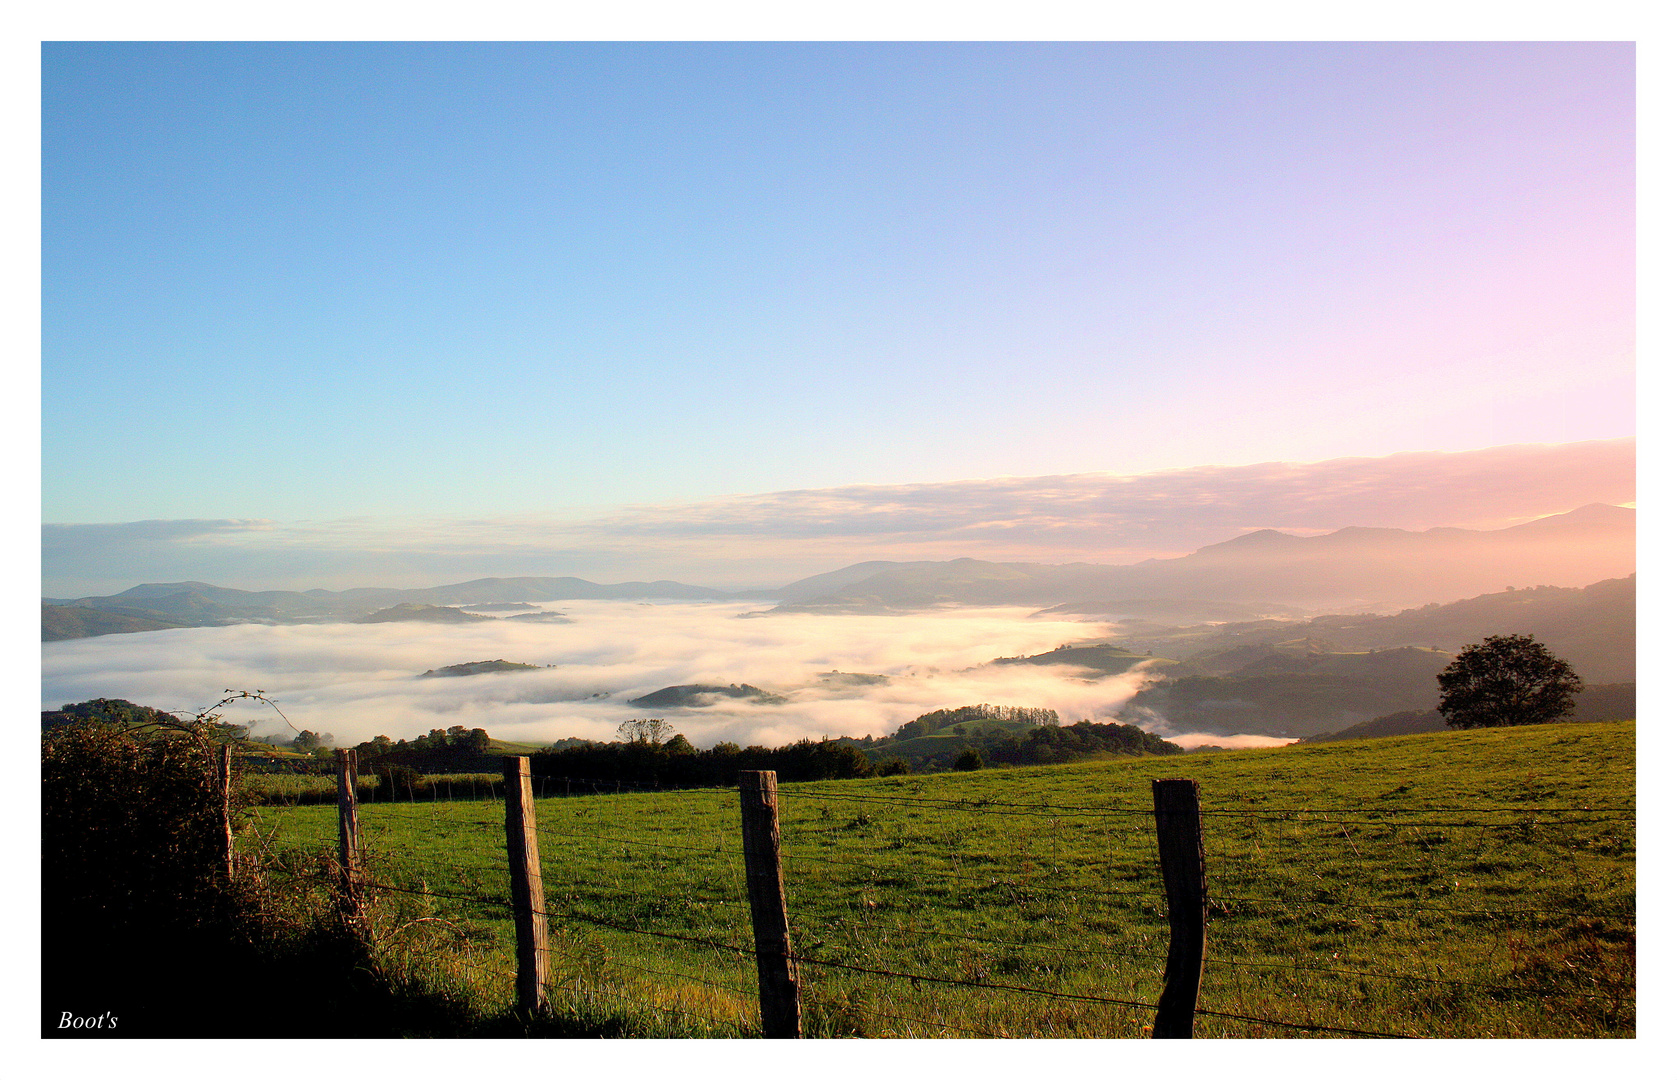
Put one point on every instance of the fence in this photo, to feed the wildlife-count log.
(877, 910)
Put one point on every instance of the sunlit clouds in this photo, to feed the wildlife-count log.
(770, 539)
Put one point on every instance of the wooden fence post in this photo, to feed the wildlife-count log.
(777, 981)
(529, 903)
(1176, 816)
(224, 798)
(349, 832)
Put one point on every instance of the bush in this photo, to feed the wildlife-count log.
(142, 928)
(396, 781)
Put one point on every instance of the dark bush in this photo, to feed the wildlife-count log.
(143, 930)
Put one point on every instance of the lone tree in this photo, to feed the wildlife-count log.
(1506, 679)
(645, 731)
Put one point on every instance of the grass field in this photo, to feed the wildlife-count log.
(1462, 885)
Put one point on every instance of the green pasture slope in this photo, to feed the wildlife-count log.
(1474, 884)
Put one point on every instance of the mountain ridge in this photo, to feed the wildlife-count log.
(1259, 573)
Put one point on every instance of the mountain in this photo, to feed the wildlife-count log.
(1262, 571)
(1261, 574)
(196, 603)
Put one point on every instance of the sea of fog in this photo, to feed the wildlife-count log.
(360, 680)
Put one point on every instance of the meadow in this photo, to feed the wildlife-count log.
(1475, 884)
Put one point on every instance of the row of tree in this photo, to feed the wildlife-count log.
(675, 763)
(938, 719)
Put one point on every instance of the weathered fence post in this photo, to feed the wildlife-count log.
(349, 832)
(777, 981)
(224, 799)
(529, 903)
(1176, 816)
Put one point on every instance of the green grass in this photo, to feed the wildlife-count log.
(321, 787)
(1413, 909)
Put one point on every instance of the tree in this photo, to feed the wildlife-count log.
(645, 731)
(1507, 679)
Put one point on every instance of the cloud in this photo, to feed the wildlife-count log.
(358, 681)
(772, 539)
(1185, 508)
(77, 540)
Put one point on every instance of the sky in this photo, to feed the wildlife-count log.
(346, 288)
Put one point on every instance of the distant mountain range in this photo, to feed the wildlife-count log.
(1259, 574)
(195, 603)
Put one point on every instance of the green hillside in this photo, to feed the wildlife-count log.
(1290, 692)
(478, 667)
(1102, 657)
(1444, 886)
(429, 613)
(63, 622)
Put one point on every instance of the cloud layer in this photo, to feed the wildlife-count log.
(357, 681)
(771, 539)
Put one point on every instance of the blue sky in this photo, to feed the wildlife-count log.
(319, 282)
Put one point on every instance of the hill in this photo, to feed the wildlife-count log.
(67, 623)
(1099, 657)
(427, 613)
(1593, 628)
(1594, 705)
(976, 736)
(1476, 884)
(699, 695)
(1291, 695)
(480, 667)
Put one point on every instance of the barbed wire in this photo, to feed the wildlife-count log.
(1499, 987)
(1049, 882)
(1342, 902)
(1301, 1027)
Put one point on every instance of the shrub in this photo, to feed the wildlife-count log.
(142, 927)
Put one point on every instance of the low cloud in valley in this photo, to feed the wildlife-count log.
(361, 680)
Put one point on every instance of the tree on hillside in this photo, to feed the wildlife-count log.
(1505, 680)
(645, 731)
(307, 741)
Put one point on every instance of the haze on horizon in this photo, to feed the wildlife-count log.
(767, 541)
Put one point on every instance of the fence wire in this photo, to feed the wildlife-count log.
(912, 915)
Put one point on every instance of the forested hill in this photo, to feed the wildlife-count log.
(195, 603)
